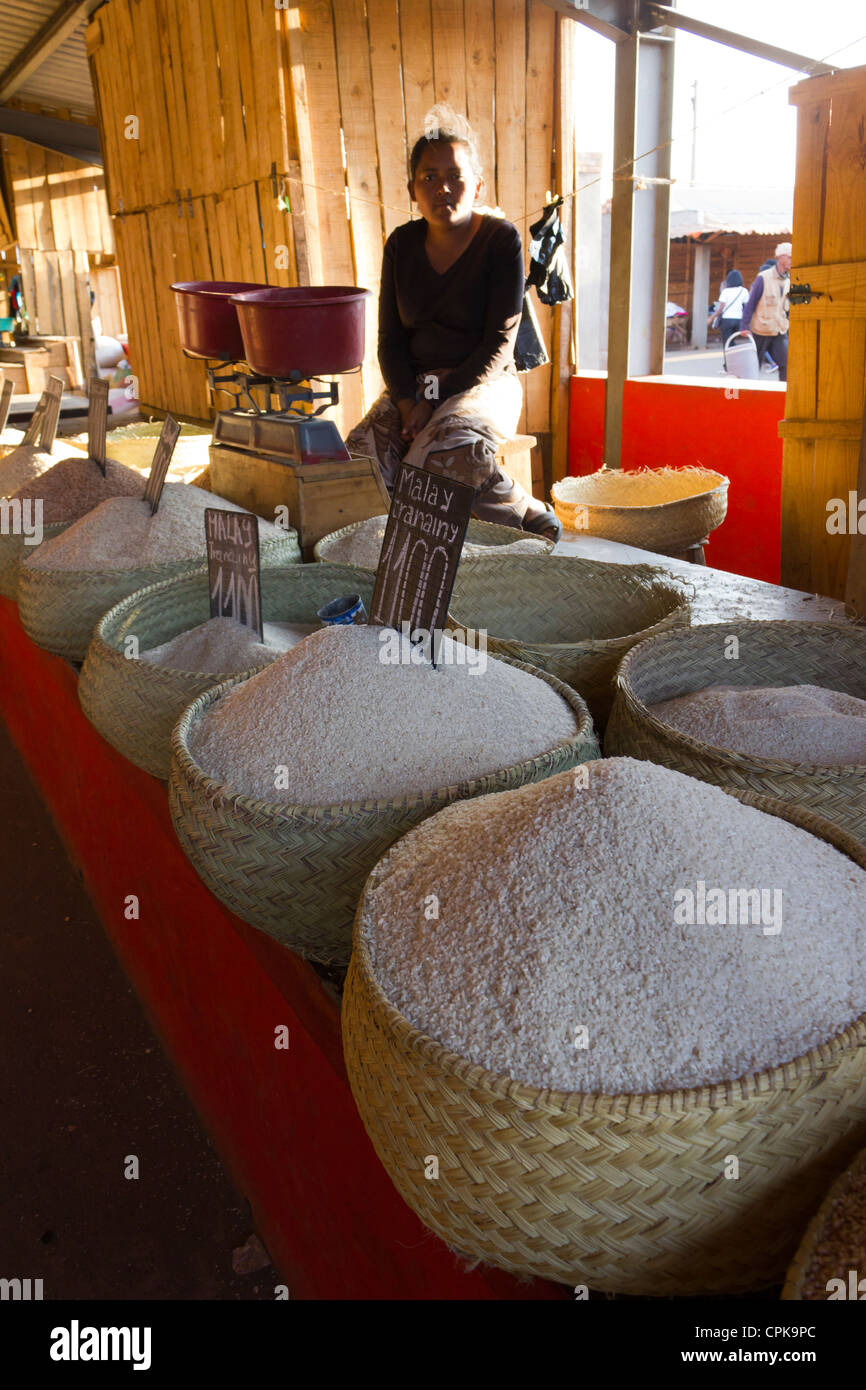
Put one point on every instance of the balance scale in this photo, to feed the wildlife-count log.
(264, 459)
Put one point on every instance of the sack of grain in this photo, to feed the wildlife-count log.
(361, 543)
(64, 493)
(70, 581)
(779, 755)
(135, 701)
(286, 788)
(830, 1262)
(28, 461)
(584, 1039)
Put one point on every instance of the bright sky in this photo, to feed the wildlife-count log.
(746, 129)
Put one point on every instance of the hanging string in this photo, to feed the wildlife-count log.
(617, 173)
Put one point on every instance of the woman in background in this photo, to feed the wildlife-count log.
(449, 309)
(729, 310)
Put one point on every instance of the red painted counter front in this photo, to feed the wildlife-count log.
(215, 989)
(725, 424)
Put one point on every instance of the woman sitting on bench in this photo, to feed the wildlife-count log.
(449, 310)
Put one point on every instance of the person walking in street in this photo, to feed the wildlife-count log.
(729, 309)
(765, 314)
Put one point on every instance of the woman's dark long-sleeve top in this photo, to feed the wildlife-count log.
(466, 319)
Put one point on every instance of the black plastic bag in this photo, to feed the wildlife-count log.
(529, 350)
(549, 270)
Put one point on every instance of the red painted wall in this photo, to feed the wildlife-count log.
(283, 1121)
(689, 420)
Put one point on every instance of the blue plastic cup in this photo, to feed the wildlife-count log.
(348, 608)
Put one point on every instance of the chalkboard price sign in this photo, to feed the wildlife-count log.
(421, 550)
(168, 436)
(234, 573)
(97, 420)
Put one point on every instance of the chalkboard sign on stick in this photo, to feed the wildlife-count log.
(421, 550)
(5, 403)
(51, 418)
(97, 420)
(161, 462)
(36, 423)
(234, 573)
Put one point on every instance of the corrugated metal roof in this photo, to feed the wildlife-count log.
(63, 80)
(697, 212)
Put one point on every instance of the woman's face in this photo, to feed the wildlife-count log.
(444, 187)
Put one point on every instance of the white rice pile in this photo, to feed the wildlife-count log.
(350, 727)
(121, 533)
(28, 461)
(75, 485)
(794, 723)
(222, 646)
(363, 546)
(555, 913)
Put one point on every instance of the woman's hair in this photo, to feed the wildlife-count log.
(733, 278)
(443, 125)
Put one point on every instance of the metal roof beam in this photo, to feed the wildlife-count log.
(588, 19)
(56, 29)
(664, 14)
(73, 138)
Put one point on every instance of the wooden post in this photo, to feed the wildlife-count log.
(700, 295)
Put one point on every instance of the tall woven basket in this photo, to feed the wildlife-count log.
(624, 1194)
(575, 618)
(663, 509)
(834, 1242)
(477, 533)
(135, 704)
(60, 608)
(770, 653)
(13, 550)
(296, 872)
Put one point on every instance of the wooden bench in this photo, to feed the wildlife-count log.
(515, 457)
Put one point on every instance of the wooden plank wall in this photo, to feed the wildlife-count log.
(61, 215)
(258, 126)
(827, 358)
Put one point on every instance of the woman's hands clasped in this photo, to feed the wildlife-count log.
(414, 415)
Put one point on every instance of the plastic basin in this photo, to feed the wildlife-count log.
(207, 318)
(308, 330)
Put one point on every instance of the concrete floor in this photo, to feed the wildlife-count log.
(83, 1084)
(702, 362)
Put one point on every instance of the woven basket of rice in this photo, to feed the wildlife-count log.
(296, 872)
(14, 549)
(477, 533)
(663, 509)
(135, 704)
(573, 617)
(830, 1264)
(623, 1194)
(831, 655)
(60, 608)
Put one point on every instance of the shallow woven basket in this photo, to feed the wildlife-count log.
(819, 1242)
(135, 704)
(477, 533)
(60, 608)
(296, 872)
(13, 550)
(664, 509)
(573, 617)
(624, 1194)
(770, 653)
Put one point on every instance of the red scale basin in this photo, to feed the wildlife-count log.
(207, 318)
(314, 330)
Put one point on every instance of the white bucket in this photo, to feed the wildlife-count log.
(741, 357)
